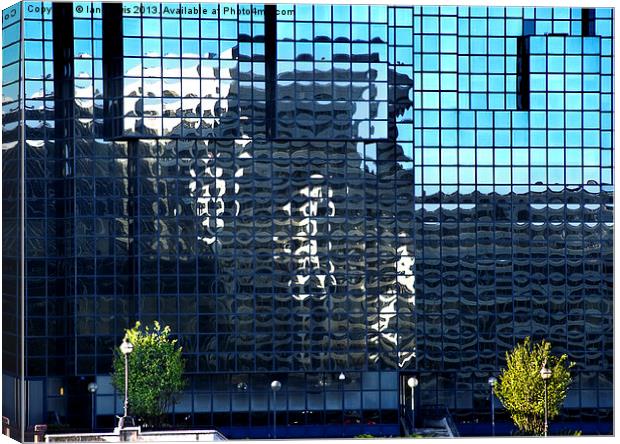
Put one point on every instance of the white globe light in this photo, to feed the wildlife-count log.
(126, 347)
(412, 382)
(276, 385)
(545, 373)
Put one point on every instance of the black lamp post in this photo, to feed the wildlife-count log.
(342, 378)
(492, 381)
(126, 348)
(275, 387)
(92, 389)
(545, 374)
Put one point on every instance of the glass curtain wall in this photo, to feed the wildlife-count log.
(305, 190)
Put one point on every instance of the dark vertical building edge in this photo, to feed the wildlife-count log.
(112, 54)
(523, 73)
(587, 22)
(112, 64)
(271, 57)
(64, 184)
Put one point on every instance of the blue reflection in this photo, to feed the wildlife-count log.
(82, 28)
(11, 53)
(487, 67)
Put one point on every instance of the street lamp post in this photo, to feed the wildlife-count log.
(492, 381)
(545, 374)
(92, 389)
(342, 378)
(275, 387)
(412, 382)
(126, 348)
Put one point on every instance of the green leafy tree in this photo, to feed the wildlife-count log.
(521, 389)
(155, 372)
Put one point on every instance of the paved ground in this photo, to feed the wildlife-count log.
(432, 433)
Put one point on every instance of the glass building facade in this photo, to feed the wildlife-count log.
(300, 191)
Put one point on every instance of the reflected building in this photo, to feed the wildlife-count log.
(303, 191)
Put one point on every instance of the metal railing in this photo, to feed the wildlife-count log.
(405, 421)
(439, 412)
